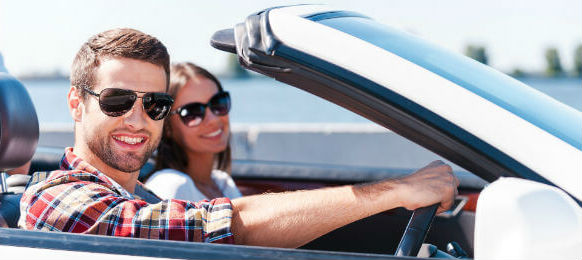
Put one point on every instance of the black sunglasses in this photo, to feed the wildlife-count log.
(116, 102)
(192, 114)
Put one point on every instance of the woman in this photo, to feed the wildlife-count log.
(193, 159)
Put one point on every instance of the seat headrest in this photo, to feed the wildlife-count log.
(18, 123)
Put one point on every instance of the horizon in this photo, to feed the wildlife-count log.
(515, 34)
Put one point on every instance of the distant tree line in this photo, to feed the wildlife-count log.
(553, 64)
(578, 61)
(478, 53)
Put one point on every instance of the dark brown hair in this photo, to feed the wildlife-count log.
(125, 43)
(170, 153)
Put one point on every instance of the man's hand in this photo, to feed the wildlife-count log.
(435, 183)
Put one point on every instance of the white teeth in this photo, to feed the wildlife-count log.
(129, 140)
(215, 133)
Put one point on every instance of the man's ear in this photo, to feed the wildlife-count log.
(75, 104)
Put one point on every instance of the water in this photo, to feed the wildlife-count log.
(264, 100)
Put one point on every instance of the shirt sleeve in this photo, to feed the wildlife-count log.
(91, 208)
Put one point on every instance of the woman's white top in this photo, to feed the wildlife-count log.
(173, 184)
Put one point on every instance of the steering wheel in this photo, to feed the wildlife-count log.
(416, 230)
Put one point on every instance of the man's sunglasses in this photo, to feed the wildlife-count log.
(192, 114)
(116, 102)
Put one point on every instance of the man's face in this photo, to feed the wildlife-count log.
(126, 142)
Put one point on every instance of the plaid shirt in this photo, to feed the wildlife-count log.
(80, 199)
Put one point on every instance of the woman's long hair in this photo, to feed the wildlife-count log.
(170, 153)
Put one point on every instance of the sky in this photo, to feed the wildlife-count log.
(43, 36)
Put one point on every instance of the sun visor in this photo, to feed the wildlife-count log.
(253, 43)
(224, 40)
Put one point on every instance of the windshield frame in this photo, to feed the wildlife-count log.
(520, 99)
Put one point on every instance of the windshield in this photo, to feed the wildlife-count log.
(537, 108)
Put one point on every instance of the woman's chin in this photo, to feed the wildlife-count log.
(210, 149)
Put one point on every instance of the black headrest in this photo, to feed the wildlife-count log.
(18, 123)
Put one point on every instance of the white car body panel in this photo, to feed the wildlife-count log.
(15, 252)
(522, 219)
(535, 148)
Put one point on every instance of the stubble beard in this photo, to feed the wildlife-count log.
(125, 162)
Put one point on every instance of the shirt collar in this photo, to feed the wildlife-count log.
(72, 162)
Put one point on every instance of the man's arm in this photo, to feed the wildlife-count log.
(76, 203)
(292, 219)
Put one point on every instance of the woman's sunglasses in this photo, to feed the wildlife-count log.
(116, 102)
(192, 114)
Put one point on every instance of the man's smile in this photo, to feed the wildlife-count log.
(130, 141)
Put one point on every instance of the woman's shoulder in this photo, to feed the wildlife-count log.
(218, 174)
(168, 171)
(171, 184)
(225, 183)
(168, 175)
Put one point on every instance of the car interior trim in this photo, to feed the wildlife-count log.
(162, 248)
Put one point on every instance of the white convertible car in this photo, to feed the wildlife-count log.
(524, 144)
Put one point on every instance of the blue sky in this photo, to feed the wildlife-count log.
(43, 36)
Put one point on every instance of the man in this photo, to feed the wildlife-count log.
(117, 101)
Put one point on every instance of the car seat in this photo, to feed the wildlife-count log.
(19, 134)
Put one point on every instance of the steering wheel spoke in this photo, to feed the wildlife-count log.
(416, 231)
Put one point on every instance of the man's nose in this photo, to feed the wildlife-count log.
(135, 118)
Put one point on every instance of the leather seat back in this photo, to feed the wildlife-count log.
(18, 140)
(18, 124)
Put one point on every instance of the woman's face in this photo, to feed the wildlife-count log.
(211, 135)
